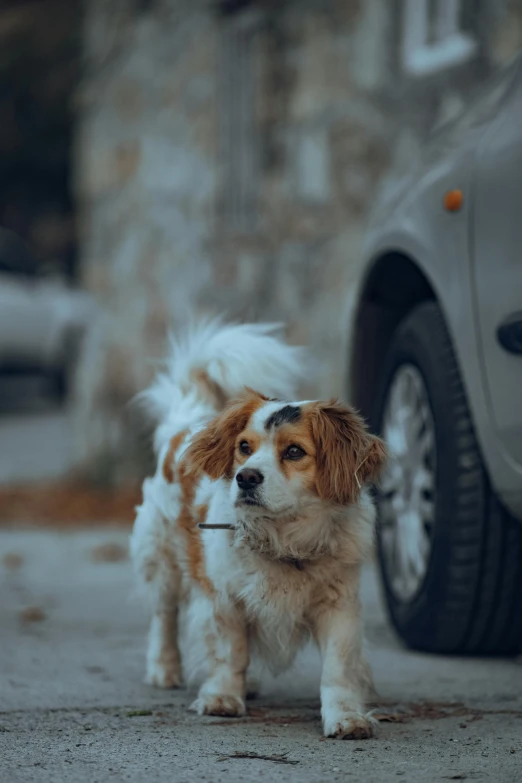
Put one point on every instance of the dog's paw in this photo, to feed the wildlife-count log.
(226, 705)
(163, 675)
(353, 725)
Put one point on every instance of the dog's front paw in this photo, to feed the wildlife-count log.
(225, 705)
(163, 674)
(352, 725)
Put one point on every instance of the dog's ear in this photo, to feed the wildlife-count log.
(212, 449)
(347, 455)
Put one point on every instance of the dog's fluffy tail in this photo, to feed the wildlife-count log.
(214, 361)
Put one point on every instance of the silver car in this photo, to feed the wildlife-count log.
(436, 366)
(41, 319)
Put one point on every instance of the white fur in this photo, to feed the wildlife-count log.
(261, 604)
(234, 356)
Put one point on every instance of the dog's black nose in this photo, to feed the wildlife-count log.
(249, 478)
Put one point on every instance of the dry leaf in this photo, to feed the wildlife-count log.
(67, 504)
(109, 553)
(390, 717)
(12, 561)
(33, 614)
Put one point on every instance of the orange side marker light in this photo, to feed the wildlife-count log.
(453, 200)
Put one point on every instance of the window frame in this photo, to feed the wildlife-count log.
(239, 131)
(452, 47)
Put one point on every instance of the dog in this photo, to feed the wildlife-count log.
(251, 533)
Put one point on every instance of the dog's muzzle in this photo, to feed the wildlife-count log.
(249, 480)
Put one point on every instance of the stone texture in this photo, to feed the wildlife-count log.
(332, 113)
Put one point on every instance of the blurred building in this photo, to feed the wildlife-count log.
(39, 72)
(228, 155)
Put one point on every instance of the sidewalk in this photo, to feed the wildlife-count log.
(73, 707)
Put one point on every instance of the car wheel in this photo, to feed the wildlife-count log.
(450, 554)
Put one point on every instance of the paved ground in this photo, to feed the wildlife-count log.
(73, 708)
(35, 432)
(34, 448)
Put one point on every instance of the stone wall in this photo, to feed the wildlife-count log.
(227, 160)
(146, 185)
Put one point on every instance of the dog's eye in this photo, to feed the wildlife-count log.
(244, 448)
(294, 452)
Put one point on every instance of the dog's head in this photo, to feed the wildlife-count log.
(279, 456)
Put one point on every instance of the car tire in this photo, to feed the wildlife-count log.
(470, 596)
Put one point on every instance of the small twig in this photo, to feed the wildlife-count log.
(204, 526)
(280, 758)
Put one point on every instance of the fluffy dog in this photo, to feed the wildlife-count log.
(285, 481)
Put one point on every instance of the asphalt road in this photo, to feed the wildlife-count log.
(73, 706)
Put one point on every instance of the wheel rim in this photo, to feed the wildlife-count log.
(407, 490)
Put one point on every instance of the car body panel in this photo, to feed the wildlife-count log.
(22, 319)
(497, 265)
(39, 318)
(410, 219)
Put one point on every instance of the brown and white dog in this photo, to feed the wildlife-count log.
(286, 480)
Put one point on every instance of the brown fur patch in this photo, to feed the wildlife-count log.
(372, 463)
(344, 447)
(254, 441)
(188, 525)
(169, 658)
(201, 512)
(297, 434)
(209, 390)
(212, 450)
(168, 469)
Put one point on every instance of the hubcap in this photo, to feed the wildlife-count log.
(406, 495)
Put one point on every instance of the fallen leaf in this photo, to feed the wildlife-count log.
(138, 713)
(390, 717)
(33, 614)
(109, 553)
(12, 561)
